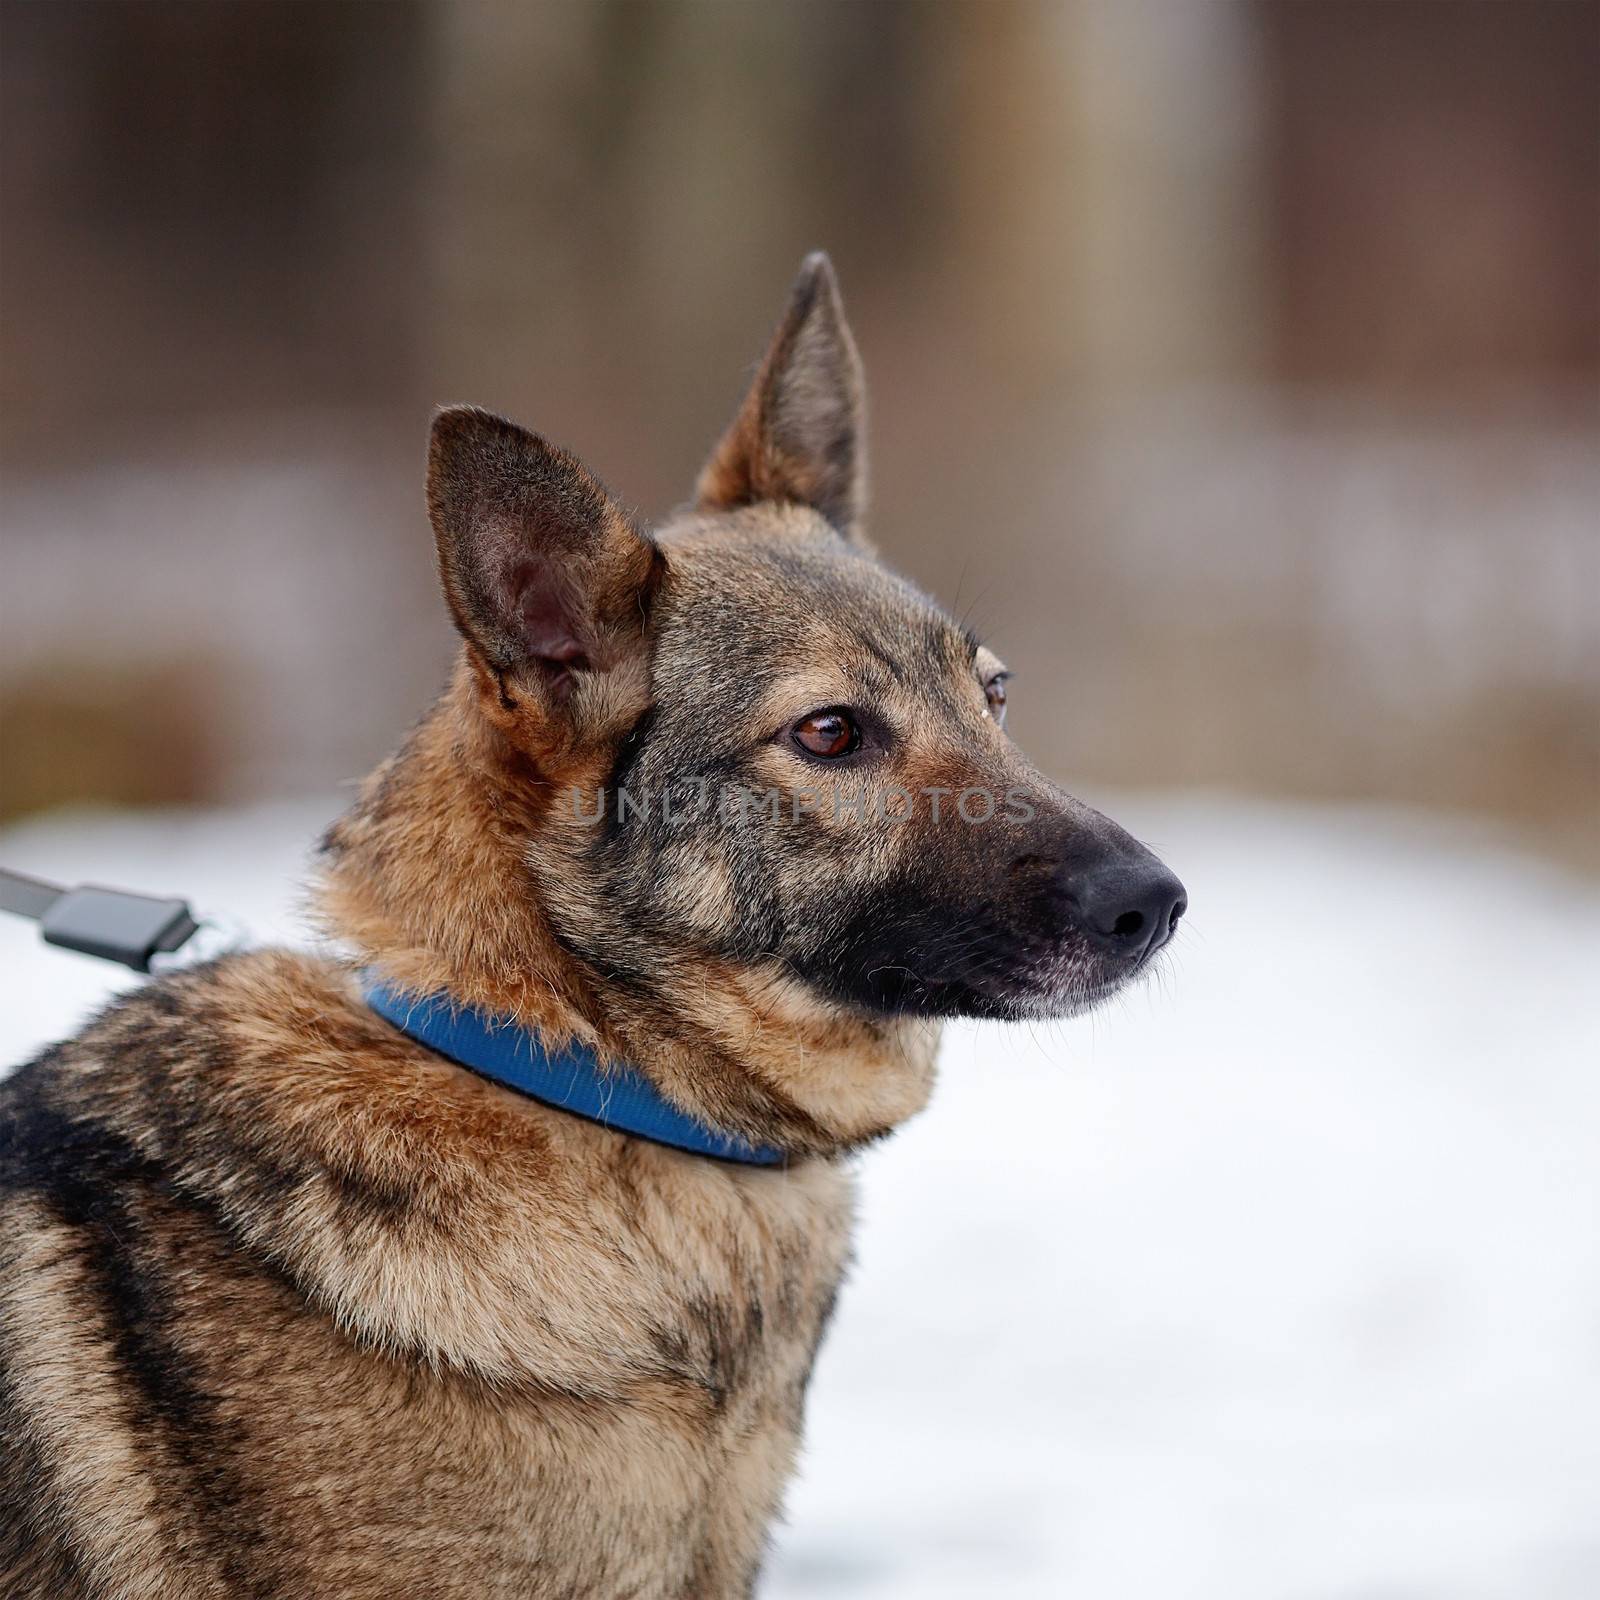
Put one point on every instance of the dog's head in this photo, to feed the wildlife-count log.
(757, 748)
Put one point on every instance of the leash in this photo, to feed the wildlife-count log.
(133, 929)
(109, 923)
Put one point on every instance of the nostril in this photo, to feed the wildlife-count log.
(1129, 907)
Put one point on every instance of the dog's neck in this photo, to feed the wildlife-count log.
(428, 876)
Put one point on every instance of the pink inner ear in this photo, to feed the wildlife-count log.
(547, 632)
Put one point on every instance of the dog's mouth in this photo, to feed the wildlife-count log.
(1000, 976)
(1075, 997)
(1048, 936)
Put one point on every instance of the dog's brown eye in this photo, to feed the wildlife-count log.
(828, 734)
(995, 689)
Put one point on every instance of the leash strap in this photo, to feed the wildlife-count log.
(109, 923)
(571, 1079)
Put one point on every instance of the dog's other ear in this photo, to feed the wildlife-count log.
(799, 434)
(544, 573)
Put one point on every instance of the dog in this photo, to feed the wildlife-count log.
(293, 1303)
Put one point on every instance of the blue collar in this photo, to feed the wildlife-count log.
(619, 1098)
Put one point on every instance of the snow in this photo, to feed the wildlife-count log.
(1277, 1279)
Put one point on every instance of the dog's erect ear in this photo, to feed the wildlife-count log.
(546, 576)
(799, 434)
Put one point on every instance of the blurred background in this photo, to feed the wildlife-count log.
(1235, 367)
(1236, 364)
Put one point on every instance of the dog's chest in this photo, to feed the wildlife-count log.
(653, 1467)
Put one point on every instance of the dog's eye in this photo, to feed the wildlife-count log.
(995, 690)
(828, 734)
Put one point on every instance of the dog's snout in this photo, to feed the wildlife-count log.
(1129, 907)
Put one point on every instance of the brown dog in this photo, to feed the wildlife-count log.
(293, 1305)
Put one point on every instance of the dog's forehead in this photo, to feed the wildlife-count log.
(781, 600)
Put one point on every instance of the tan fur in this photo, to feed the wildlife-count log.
(797, 436)
(444, 902)
(65, 1370)
(291, 1305)
(393, 1328)
(507, 1348)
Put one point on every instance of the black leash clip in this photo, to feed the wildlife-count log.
(132, 929)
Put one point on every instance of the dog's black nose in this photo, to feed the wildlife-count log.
(1129, 907)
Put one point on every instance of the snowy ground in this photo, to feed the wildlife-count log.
(1279, 1280)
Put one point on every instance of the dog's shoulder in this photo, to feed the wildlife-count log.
(201, 1068)
(241, 1215)
(431, 1212)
